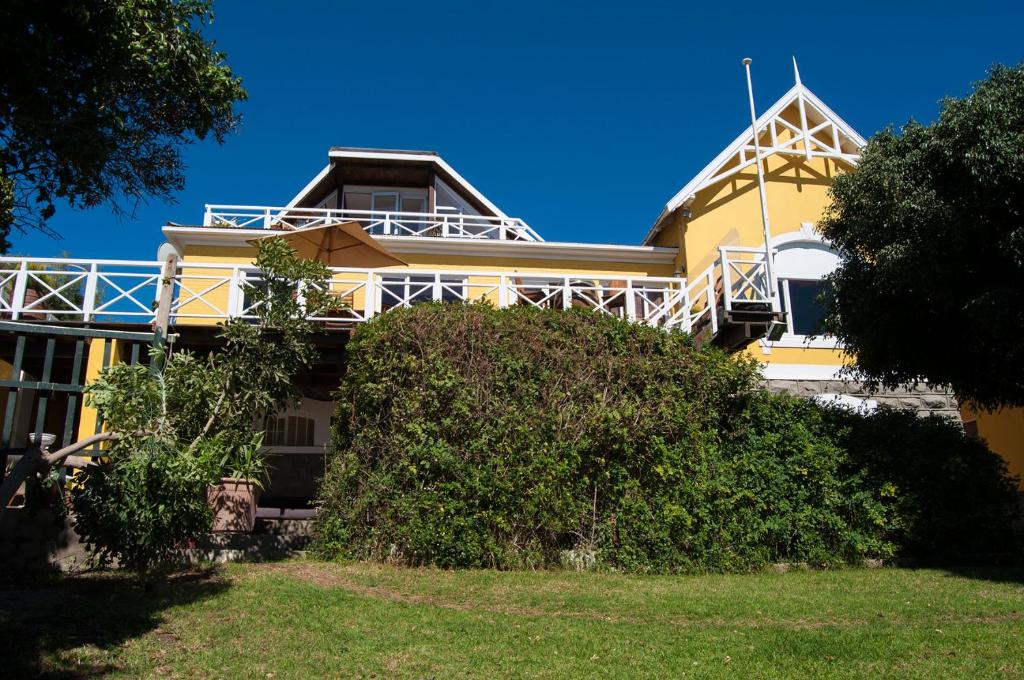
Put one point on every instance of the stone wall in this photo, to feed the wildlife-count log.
(921, 398)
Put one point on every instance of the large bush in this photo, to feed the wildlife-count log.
(471, 436)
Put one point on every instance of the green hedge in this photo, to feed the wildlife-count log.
(472, 436)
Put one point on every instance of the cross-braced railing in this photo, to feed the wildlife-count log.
(61, 289)
(379, 223)
(748, 283)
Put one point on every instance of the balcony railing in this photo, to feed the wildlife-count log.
(747, 281)
(437, 225)
(203, 293)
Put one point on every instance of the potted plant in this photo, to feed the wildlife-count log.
(243, 467)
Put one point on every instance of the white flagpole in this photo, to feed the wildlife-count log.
(768, 268)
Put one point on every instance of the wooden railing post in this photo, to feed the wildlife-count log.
(235, 296)
(369, 307)
(20, 285)
(89, 297)
(165, 296)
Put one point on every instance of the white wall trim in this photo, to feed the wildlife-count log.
(181, 237)
(793, 340)
(776, 371)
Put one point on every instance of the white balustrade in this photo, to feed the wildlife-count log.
(437, 225)
(76, 290)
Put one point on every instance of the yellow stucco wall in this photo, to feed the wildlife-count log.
(729, 214)
(1004, 433)
(351, 289)
(93, 366)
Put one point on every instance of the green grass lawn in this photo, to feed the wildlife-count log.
(311, 619)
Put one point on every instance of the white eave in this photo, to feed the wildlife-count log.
(180, 236)
(701, 180)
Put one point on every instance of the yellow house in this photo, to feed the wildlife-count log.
(703, 267)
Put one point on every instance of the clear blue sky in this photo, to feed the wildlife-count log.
(582, 118)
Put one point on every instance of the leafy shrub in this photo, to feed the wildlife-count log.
(472, 436)
(139, 509)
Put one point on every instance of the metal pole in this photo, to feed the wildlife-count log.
(760, 186)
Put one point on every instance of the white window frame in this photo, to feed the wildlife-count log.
(789, 339)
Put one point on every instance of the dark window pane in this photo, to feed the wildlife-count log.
(807, 312)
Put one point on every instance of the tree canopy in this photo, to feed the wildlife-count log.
(931, 231)
(97, 98)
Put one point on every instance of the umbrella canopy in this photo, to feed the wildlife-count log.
(343, 244)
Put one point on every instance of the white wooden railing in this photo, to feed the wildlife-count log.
(62, 289)
(748, 283)
(439, 225)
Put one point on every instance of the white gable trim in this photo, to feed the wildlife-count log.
(312, 183)
(742, 146)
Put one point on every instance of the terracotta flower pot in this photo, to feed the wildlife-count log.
(233, 502)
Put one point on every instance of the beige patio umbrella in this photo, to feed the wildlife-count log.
(342, 244)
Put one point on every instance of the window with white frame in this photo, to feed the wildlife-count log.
(802, 304)
(388, 201)
(801, 267)
(289, 431)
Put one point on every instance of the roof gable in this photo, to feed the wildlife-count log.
(442, 168)
(797, 116)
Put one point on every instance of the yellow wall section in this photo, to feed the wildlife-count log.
(729, 214)
(1004, 433)
(93, 366)
(798, 355)
(351, 290)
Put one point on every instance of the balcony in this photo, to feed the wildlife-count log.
(124, 291)
(428, 225)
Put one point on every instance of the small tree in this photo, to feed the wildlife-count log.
(931, 230)
(183, 424)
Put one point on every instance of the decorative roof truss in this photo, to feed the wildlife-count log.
(800, 128)
(798, 124)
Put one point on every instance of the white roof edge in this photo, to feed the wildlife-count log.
(421, 158)
(176, 234)
(309, 187)
(680, 197)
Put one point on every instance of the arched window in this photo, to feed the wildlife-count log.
(289, 431)
(800, 267)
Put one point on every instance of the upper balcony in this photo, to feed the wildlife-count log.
(442, 224)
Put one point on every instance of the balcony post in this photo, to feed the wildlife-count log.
(502, 291)
(630, 300)
(89, 297)
(726, 279)
(18, 296)
(566, 293)
(370, 296)
(437, 293)
(266, 218)
(234, 293)
(207, 217)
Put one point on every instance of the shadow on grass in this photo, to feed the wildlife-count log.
(995, 574)
(43, 618)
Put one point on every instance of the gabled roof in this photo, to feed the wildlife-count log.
(446, 171)
(829, 137)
